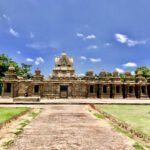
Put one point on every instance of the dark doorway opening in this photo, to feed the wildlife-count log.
(91, 89)
(104, 89)
(117, 89)
(124, 91)
(143, 90)
(137, 91)
(130, 89)
(63, 88)
(148, 90)
(63, 91)
(8, 88)
(36, 89)
(98, 91)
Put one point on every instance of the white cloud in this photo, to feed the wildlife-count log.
(39, 60)
(130, 64)
(92, 36)
(94, 60)
(92, 47)
(83, 58)
(6, 18)
(132, 72)
(122, 38)
(133, 43)
(32, 35)
(18, 52)
(119, 70)
(29, 60)
(81, 74)
(80, 35)
(13, 32)
(84, 37)
(43, 45)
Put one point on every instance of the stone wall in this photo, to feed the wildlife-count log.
(75, 89)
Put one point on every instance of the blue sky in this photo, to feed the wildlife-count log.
(98, 34)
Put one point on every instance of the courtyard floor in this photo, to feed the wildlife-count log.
(70, 127)
(77, 101)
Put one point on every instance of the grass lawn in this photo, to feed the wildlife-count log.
(8, 112)
(137, 116)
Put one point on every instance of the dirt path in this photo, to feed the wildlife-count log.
(61, 127)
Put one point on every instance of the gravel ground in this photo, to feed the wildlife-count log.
(69, 127)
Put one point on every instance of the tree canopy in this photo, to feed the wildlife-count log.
(145, 70)
(6, 61)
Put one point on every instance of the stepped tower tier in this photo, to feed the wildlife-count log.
(63, 68)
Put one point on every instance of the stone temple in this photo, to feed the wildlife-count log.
(63, 83)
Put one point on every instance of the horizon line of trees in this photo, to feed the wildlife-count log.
(24, 69)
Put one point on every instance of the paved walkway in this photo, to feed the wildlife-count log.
(77, 101)
(69, 127)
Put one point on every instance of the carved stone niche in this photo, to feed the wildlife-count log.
(115, 73)
(89, 75)
(128, 77)
(11, 73)
(38, 76)
(103, 75)
(37, 72)
(139, 77)
(115, 77)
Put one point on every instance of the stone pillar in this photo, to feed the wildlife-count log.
(112, 89)
(126, 91)
(3, 88)
(12, 89)
(146, 92)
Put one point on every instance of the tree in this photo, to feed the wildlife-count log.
(122, 76)
(6, 61)
(25, 70)
(109, 74)
(145, 70)
(96, 76)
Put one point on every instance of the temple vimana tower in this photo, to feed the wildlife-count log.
(63, 83)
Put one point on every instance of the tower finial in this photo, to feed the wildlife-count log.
(63, 53)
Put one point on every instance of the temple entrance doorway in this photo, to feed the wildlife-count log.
(63, 91)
